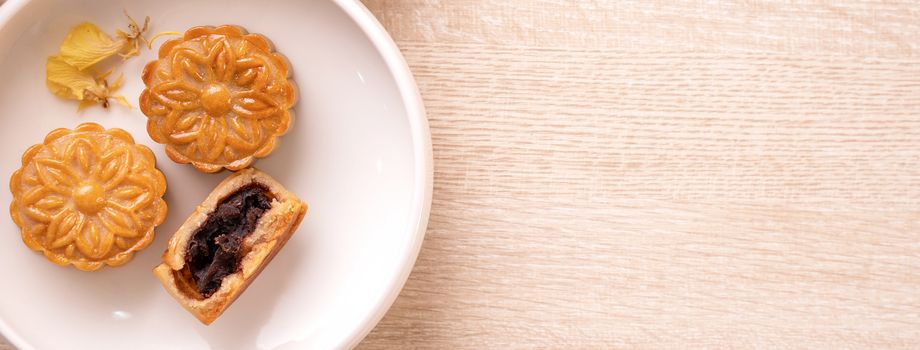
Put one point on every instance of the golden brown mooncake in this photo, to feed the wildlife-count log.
(88, 197)
(218, 98)
(227, 241)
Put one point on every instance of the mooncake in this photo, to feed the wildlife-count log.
(227, 241)
(218, 98)
(88, 197)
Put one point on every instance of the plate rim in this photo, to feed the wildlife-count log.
(421, 149)
(422, 152)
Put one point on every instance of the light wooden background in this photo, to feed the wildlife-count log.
(661, 174)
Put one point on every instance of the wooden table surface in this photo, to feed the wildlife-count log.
(655, 174)
(661, 174)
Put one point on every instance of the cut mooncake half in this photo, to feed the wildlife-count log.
(227, 241)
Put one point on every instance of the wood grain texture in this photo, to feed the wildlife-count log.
(661, 174)
(664, 175)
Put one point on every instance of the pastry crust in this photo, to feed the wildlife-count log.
(273, 230)
(218, 97)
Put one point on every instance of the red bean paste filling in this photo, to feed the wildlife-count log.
(215, 250)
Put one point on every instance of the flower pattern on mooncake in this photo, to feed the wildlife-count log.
(217, 98)
(88, 197)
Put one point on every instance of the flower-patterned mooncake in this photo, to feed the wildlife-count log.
(88, 197)
(217, 98)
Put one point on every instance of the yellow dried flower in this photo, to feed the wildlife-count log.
(133, 38)
(86, 45)
(103, 92)
(68, 82)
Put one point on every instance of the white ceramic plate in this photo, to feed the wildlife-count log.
(359, 153)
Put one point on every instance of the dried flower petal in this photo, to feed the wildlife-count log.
(115, 86)
(69, 75)
(122, 101)
(67, 81)
(103, 92)
(85, 103)
(86, 45)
